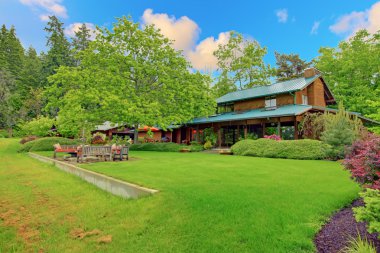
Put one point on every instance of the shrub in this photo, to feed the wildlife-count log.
(207, 145)
(370, 213)
(363, 160)
(3, 133)
(359, 245)
(40, 126)
(98, 139)
(340, 130)
(292, 149)
(46, 144)
(164, 147)
(210, 135)
(28, 139)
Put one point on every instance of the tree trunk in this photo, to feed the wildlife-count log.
(136, 134)
(10, 132)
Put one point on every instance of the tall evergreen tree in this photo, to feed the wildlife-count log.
(289, 66)
(14, 53)
(3, 38)
(59, 48)
(80, 41)
(31, 74)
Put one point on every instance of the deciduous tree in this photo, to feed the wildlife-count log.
(289, 66)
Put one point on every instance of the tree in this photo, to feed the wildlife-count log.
(14, 53)
(81, 39)
(352, 70)
(3, 43)
(129, 75)
(224, 85)
(8, 109)
(243, 60)
(289, 66)
(59, 47)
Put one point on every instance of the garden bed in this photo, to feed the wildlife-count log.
(342, 227)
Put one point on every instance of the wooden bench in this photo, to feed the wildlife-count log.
(97, 151)
(72, 149)
(120, 153)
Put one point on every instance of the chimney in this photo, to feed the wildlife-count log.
(310, 72)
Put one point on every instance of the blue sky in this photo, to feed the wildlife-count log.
(198, 26)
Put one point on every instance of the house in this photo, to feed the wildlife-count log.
(111, 130)
(277, 108)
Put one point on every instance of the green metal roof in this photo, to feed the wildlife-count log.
(267, 90)
(287, 110)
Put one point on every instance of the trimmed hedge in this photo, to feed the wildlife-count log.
(164, 147)
(289, 149)
(46, 144)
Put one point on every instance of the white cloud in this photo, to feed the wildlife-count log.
(185, 33)
(71, 29)
(349, 24)
(202, 57)
(314, 29)
(282, 15)
(47, 7)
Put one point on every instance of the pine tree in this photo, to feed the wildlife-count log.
(59, 47)
(80, 41)
(3, 37)
(31, 75)
(14, 54)
(289, 66)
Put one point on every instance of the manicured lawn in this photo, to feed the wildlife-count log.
(207, 203)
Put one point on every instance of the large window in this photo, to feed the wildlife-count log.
(225, 108)
(270, 102)
(305, 100)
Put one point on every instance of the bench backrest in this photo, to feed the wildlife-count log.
(124, 150)
(69, 147)
(97, 150)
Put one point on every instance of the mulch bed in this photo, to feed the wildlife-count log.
(335, 234)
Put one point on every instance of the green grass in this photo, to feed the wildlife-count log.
(207, 203)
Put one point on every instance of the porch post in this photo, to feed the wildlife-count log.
(295, 128)
(279, 127)
(219, 137)
(263, 124)
(197, 133)
(245, 131)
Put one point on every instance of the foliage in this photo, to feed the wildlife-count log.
(3, 133)
(223, 85)
(292, 149)
(164, 147)
(363, 160)
(119, 140)
(251, 136)
(40, 126)
(312, 125)
(46, 144)
(289, 66)
(130, 74)
(273, 137)
(241, 61)
(80, 42)
(340, 130)
(98, 138)
(370, 213)
(352, 70)
(207, 145)
(359, 245)
(210, 135)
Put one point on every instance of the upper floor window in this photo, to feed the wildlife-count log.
(305, 100)
(225, 108)
(270, 102)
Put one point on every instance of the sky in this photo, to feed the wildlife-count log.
(197, 27)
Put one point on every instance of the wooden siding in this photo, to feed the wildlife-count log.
(316, 93)
(249, 104)
(284, 99)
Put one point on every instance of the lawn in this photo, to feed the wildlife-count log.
(207, 203)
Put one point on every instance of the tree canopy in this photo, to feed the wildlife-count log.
(289, 66)
(130, 75)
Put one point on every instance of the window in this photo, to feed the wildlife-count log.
(270, 102)
(305, 100)
(225, 108)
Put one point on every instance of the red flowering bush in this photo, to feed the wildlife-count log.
(273, 137)
(363, 160)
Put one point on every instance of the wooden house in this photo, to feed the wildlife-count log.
(277, 108)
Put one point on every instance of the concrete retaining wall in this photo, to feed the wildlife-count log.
(109, 184)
